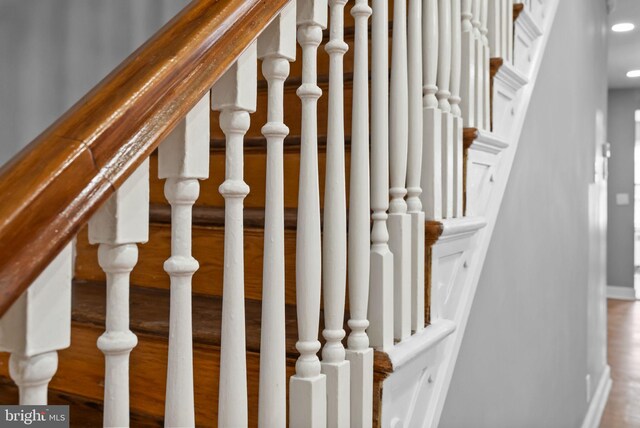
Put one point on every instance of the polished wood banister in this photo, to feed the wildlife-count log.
(53, 186)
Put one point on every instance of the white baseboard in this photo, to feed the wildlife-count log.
(599, 400)
(620, 293)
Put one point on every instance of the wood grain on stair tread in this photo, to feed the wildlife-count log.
(83, 412)
(208, 249)
(150, 315)
(291, 144)
(214, 216)
(292, 111)
(255, 164)
(81, 367)
(81, 372)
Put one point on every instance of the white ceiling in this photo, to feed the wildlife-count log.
(624, 48)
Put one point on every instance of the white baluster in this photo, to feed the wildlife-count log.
(276, 47)
(32, 375)
(118, 226)
(334, 248)
(479, 66)
(468, 66)
(234, 95)
(307, 388)
(456, 60)
(359, 354)
(443, 94)
(414, 165)
(486, 79)
(36, 326)
(183, 159)
(432, 116)
(494, 28)
(456, 57)
(503, 29)
(399, 220)
(380, 311)
(509, 54)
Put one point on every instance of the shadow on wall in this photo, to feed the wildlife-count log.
(53, 51)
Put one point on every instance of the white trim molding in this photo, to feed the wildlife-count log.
(599, 400)
(620, 293)
(415, 392)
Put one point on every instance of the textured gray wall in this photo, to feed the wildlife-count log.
(536, 328)
(622, 106)
(53, 51)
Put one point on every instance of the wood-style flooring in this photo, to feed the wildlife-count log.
(623, 407)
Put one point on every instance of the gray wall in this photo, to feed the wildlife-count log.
(54, 51)
(536, 328)
(622, 105)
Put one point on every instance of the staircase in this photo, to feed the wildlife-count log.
(420, 115)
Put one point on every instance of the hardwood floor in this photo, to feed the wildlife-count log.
(623, 407)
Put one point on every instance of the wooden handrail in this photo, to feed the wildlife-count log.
(53, 186)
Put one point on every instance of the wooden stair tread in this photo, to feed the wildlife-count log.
(83, 411)
(208, 249)
(292, 111)
(80, 377)
(291, 143)
(214, 216)
(255, 166)
(150, 314)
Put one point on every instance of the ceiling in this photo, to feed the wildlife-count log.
(624, 48)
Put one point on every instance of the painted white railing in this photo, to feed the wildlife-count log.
(119, 225)
(182, 161)
(276, 48)
(406, 166)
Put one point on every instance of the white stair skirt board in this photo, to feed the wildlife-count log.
(599, 400)
(414, 394)
(620, 292)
